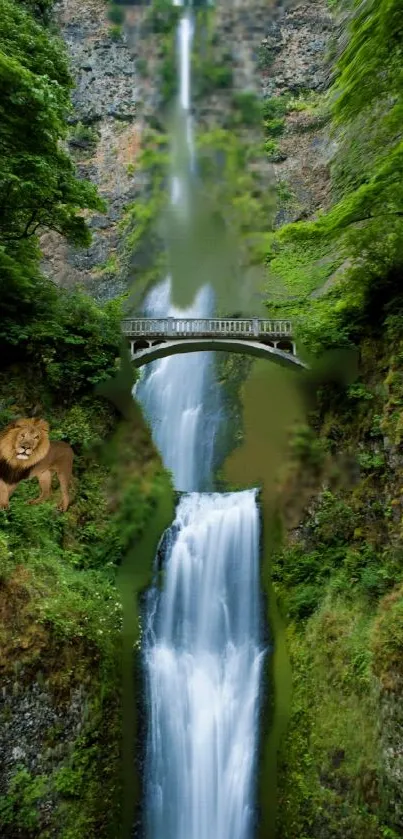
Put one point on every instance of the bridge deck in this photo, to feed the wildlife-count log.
(245, 328)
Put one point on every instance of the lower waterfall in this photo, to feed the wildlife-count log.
(203, 657)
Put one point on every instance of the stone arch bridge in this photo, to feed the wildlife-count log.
(153, 338)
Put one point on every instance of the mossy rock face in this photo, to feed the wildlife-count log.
(339, 584)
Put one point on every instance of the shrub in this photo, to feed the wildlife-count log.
(272, 149)
(275, 107)
(274, 127)
(83, 136)
(19, 806)
(116, 32)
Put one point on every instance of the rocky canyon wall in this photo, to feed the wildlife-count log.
(270, 50)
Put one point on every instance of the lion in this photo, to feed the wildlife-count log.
(26, 452)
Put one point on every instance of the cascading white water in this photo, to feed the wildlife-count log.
(175, 390)
(174, 393)
(202, 643)
(203, 663)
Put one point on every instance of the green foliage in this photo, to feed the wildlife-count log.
(299, 268)
(366, 222)
(39, 8)
(116, 32)
(247, 107)
(308, 101)
(83, 136)
(370, 65)
(68, 590)
(7, 563)
(57, 572)
(210, 76)
(331, 550)
(55, 342)
(163, 17)
(19, 806)
(38, 183)
(272, 149)
(274, 127)
(330, 770)
(168, 71)
(339, 579)
(275, 107)
(273, 113)
(387, 638)
(82, 790)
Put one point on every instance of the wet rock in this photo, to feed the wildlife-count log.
(31, 725)
(111, 96)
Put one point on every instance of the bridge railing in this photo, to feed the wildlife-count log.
(189, 327)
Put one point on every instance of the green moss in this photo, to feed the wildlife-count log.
(331, 766)
(298, 269)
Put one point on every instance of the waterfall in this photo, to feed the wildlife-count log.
(203, 662)
(202, 643)
(174, 393)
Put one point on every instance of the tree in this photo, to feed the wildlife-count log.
(38, 185)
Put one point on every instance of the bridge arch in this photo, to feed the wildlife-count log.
(153, 338)
(164, 349)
